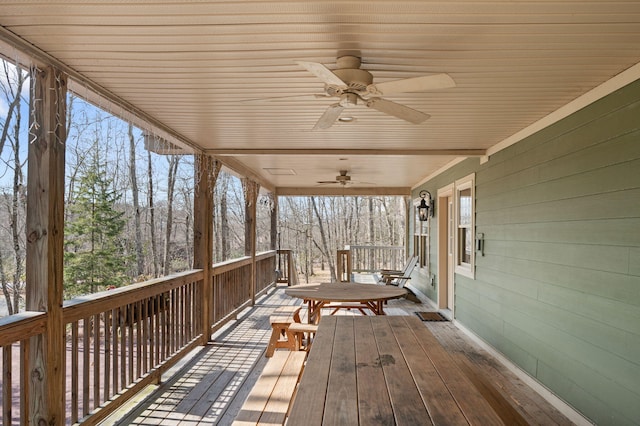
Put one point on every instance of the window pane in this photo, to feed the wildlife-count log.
(464, 198)
(468, 246)
(423, 251)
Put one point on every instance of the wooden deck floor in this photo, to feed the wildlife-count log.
(211, 387)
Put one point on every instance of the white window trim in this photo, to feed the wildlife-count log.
(467, 182)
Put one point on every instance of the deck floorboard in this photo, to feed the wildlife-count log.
(210, 388)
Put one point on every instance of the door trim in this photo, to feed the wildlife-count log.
(443, 235)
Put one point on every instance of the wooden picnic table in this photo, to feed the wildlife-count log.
(363, 297)
(384, 370)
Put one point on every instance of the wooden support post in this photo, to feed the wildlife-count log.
(274, 223)
(410, 215)
(251, 189)
(45, 243)
(344, 266)
(206, 173)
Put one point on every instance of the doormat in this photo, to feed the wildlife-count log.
(431, 316)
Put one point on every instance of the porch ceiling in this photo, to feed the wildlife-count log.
(204, 71)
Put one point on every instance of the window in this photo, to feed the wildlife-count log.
(465, 209)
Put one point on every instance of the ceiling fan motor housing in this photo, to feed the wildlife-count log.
(356, 79)
(343, 177)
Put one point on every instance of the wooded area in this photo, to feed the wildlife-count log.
(129, 211)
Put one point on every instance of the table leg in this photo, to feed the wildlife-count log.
(315, 309)
(273, 341)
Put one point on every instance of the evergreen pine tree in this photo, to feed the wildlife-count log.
(94, 253)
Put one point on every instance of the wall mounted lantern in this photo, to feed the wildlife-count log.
(425, 209)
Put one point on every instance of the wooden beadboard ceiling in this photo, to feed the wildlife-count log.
(206, 70)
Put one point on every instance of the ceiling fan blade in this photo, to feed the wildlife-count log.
(329, 117)
(322, 72)
(397, 110)
(416, 84)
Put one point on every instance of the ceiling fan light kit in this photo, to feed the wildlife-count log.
(349, 83)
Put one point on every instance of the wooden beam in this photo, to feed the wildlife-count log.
(342, 152)
(250, 200)
(205, 175)
(339, 190)
(45, 242)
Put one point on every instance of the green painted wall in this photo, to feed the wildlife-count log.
(558, 290)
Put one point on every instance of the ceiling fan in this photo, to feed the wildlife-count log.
(351, 84)
(343, 179)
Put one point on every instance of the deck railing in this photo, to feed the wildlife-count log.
(373, 258)
(15, 337)
(265, 271)
(121, 340)
(284, 266)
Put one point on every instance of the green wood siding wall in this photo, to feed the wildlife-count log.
(558, 290)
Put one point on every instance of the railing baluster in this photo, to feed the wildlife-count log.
(107, 354)
(138, 345)
(135, 314)
(114, 354)
(24, 380)
(123, 347)
(144, 343)
(74, 372)
(96, 361)
(86, 334)
(156, 331)
(7, 385)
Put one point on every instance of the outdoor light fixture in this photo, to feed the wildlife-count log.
(425, 209)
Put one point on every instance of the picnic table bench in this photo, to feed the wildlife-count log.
(280, 321)
(270, 399)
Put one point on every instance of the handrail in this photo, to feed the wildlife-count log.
(229, 265)
(83, 306)
(21, 326)
(265, 254)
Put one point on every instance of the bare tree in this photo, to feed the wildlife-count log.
(188, 223)
(325, 246)
(152, 216)
(136, 203)
(15, 78)
(224, 221)
(18, 202)
(171, 183)
(13, 98)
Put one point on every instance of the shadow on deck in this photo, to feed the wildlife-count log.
(211, 385)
